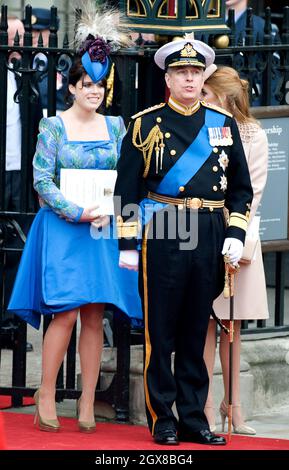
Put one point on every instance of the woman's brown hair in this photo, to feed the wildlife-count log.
(78, 72)
(225, 81)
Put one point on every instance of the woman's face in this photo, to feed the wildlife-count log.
(87, 94)
(209, 96)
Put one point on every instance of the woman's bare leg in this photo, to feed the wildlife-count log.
(55, 344)
(90, 350)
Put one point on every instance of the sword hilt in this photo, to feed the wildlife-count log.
(230, 271)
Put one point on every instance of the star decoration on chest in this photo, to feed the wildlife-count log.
(223, 160)
(223, 183)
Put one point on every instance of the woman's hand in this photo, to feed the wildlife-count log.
(89, 214)
(101, 221)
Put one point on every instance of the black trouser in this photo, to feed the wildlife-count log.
(178, 288)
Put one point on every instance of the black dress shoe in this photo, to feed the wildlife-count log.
(166, 437)
(203, 437)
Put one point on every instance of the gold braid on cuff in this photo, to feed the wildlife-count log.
(238, 220)
(126, 229)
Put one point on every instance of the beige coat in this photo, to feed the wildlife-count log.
(250, 301)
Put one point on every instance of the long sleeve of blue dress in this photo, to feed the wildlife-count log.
(45, 171)
(54, 151)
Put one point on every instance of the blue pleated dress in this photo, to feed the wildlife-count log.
(66, 264)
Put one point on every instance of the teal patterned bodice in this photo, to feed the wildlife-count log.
(54, 151)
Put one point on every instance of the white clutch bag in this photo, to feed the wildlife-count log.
(251, 241)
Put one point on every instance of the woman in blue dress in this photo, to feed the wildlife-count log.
(70, 260)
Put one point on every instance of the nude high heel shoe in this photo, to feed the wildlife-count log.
(210, 415)
(84, 426)
(238, 429)
(224, 413)
(50, 425)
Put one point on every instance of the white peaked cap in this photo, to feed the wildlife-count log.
(184, 52)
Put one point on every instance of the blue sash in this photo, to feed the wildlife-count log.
(185, 168)
(192, 159)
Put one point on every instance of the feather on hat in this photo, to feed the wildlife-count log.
(98, 33)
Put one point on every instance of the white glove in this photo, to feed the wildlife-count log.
(233, 248)
(129, 259)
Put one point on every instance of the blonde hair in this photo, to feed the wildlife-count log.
(226, 81)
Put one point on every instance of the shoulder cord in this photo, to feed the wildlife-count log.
(154, 138)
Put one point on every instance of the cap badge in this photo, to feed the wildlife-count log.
(188, 51)
(33, 19)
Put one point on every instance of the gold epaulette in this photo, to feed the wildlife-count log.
(216, 108)
(148, 110)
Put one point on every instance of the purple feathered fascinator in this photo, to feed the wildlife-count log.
(95, 52)
(98, 34)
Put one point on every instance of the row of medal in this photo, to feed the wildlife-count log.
(220, 136)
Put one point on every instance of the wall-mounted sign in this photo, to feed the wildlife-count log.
(274, 205)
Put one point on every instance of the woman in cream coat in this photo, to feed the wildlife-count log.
(223, 87)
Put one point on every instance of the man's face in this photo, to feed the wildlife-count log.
(185, 83)
(234, 3)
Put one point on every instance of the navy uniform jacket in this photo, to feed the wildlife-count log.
(136, 176)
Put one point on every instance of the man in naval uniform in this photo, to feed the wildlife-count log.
(185, 156)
